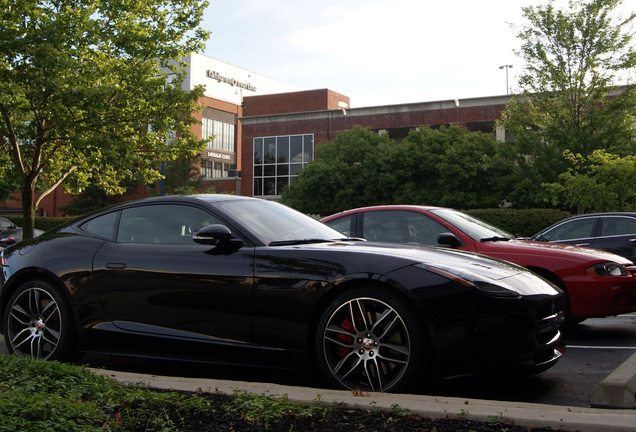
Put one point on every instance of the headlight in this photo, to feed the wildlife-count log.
(465, 278)
(607, 269)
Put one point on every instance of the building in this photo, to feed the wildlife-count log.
(265, 130)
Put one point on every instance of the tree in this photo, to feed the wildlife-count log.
(90, 91)
(452, 167)
(570, 98)
(596, 183)
(448, 166)
(347, 172)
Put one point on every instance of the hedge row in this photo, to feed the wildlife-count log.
(520, 222)
(43, 223)
(523, 222)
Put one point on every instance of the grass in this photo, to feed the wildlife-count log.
(53, 396)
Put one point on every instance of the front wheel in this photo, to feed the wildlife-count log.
(37, 322)
(370, 341)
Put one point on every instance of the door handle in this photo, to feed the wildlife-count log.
(116, 266)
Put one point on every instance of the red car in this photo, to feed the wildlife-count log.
(596, 282)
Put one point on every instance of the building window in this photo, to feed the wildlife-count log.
(211, 169)
(278, 160)
(222, 132)
(220, 155)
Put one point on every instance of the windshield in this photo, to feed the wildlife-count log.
(271, 222)
(475, 228)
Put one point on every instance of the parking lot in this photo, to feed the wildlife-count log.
(594, 349)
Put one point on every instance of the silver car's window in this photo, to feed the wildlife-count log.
(162, 223)
(618, 225)
(576, 229)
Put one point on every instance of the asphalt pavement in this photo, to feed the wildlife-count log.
(613, 401)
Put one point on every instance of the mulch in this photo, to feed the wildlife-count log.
(337, 419)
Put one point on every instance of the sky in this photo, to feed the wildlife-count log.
(377, 52)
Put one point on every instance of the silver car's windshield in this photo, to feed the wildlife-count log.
(475, 228)
(275, 223)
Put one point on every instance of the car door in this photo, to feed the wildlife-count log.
(154, 279)
(617, 235)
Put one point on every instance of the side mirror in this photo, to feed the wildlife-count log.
(214, 235)
(448, 239)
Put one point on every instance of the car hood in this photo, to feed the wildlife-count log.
(551, 250)
(466, 265)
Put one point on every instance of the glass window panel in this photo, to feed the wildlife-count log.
(269, 170)
(103, 226)
(269, 150)
(615, 225)
(342, 224)
(308, 145)
(258, 151)
(258, 171)
(269, 186)
(296, 149)
(282, 169)
(576, 229)
(294, 169)
(258, 187)
(282, 150)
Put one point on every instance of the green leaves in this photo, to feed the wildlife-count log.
(574, 91)
(90, 91)
(447, 167)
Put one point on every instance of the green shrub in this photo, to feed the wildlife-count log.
(43, 223)
(36, 395)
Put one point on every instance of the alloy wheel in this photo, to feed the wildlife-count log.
(366, 345)
(34, 323)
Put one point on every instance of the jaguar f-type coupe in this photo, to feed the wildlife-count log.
(244, 281)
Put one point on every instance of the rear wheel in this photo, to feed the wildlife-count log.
(370, 341)
(37, 322)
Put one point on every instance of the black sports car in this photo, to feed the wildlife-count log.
(238, 280)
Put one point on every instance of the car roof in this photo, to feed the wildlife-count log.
(386, 207)
(633, 214)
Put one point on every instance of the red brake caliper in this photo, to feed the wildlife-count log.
(346, 325)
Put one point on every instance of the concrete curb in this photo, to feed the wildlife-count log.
(618, 389)
(523, 414)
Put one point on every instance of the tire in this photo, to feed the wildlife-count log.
(368, 340)
(37, 323)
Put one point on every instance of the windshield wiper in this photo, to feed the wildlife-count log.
(494, 239)
(355, 239)
(298, 241)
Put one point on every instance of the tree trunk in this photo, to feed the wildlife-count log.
(28, 212)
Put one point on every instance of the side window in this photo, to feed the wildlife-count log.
(616, 225)
(401, 226)
(426, 229)
(342, 224)
(577, 229)
(163, 223)
(103, 226)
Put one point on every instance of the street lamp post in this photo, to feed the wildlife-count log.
(506, 67)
